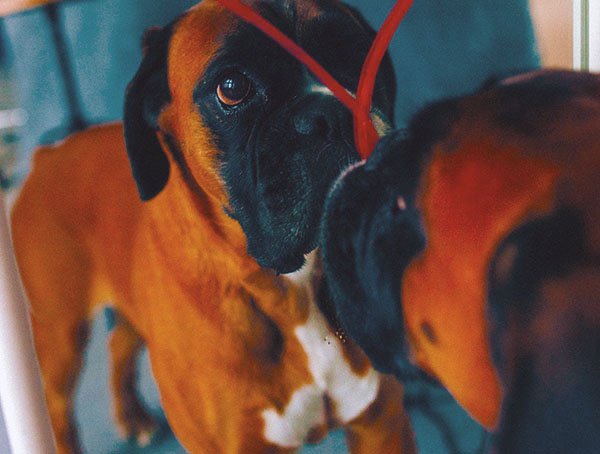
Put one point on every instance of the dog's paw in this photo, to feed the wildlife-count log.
(137, 424)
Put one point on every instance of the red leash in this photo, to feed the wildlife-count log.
(365, 135)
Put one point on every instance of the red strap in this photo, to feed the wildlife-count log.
(363, 134)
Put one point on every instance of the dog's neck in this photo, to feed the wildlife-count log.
(213, 264)
(210, 235)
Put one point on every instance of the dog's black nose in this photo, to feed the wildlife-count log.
(317, 116)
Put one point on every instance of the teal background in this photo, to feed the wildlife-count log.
(443, 48)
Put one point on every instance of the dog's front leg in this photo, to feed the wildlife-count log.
(60, 349)
(384, 426)
(132, 419)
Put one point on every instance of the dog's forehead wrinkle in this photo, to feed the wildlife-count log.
(314, 85)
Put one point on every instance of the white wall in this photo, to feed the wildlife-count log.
(595, 35)
(553, 22)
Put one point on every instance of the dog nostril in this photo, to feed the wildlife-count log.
(401, 203)
(312, 124)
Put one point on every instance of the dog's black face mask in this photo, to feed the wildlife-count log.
(282, 135)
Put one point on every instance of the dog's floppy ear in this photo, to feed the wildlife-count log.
(146, 95)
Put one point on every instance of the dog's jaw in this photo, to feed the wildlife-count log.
(284, 144)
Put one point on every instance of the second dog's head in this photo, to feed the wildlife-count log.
(437, 248)
(246, 122)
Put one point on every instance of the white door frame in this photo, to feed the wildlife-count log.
(586, 35)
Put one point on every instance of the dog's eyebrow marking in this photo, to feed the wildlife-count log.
(314, 86)
(381, 126)
(318, 88)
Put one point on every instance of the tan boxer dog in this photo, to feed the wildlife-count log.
(471, 246)
(232, 146)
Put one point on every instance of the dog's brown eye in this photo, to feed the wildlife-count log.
(233, 89)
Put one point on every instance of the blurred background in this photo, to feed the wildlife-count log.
(65, 65)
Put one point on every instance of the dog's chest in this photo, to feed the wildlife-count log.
(333, 378)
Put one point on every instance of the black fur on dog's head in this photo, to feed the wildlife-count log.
(539, 280)
(367, 242)
(281, 144)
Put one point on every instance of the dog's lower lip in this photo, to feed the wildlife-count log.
(289, 269)
(286, 265)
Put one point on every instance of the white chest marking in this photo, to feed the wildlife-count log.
(351, 394)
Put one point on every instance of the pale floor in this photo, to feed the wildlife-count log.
(99, 436)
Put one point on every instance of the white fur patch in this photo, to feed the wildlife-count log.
(351, 394)
(379, 124)
(302, 276)
(349, 169)
(318, 88)
(305, 410)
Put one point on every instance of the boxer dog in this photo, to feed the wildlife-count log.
(232, 146)
(470, 245)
